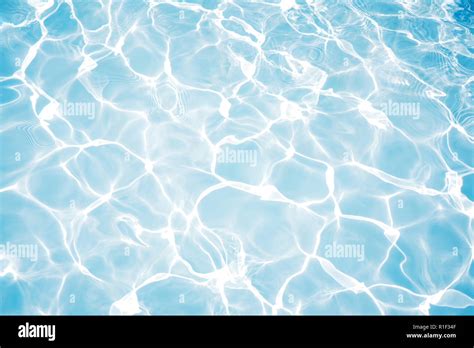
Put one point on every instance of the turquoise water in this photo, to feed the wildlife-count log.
(207, 157)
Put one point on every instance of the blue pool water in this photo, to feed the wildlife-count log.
(208, 157)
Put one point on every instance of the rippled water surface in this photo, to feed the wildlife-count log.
(237, 157)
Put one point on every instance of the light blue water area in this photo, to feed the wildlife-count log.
(237, 157)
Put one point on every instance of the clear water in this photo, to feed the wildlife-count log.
(204, 157)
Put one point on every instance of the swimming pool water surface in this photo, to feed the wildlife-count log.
(236, 157)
